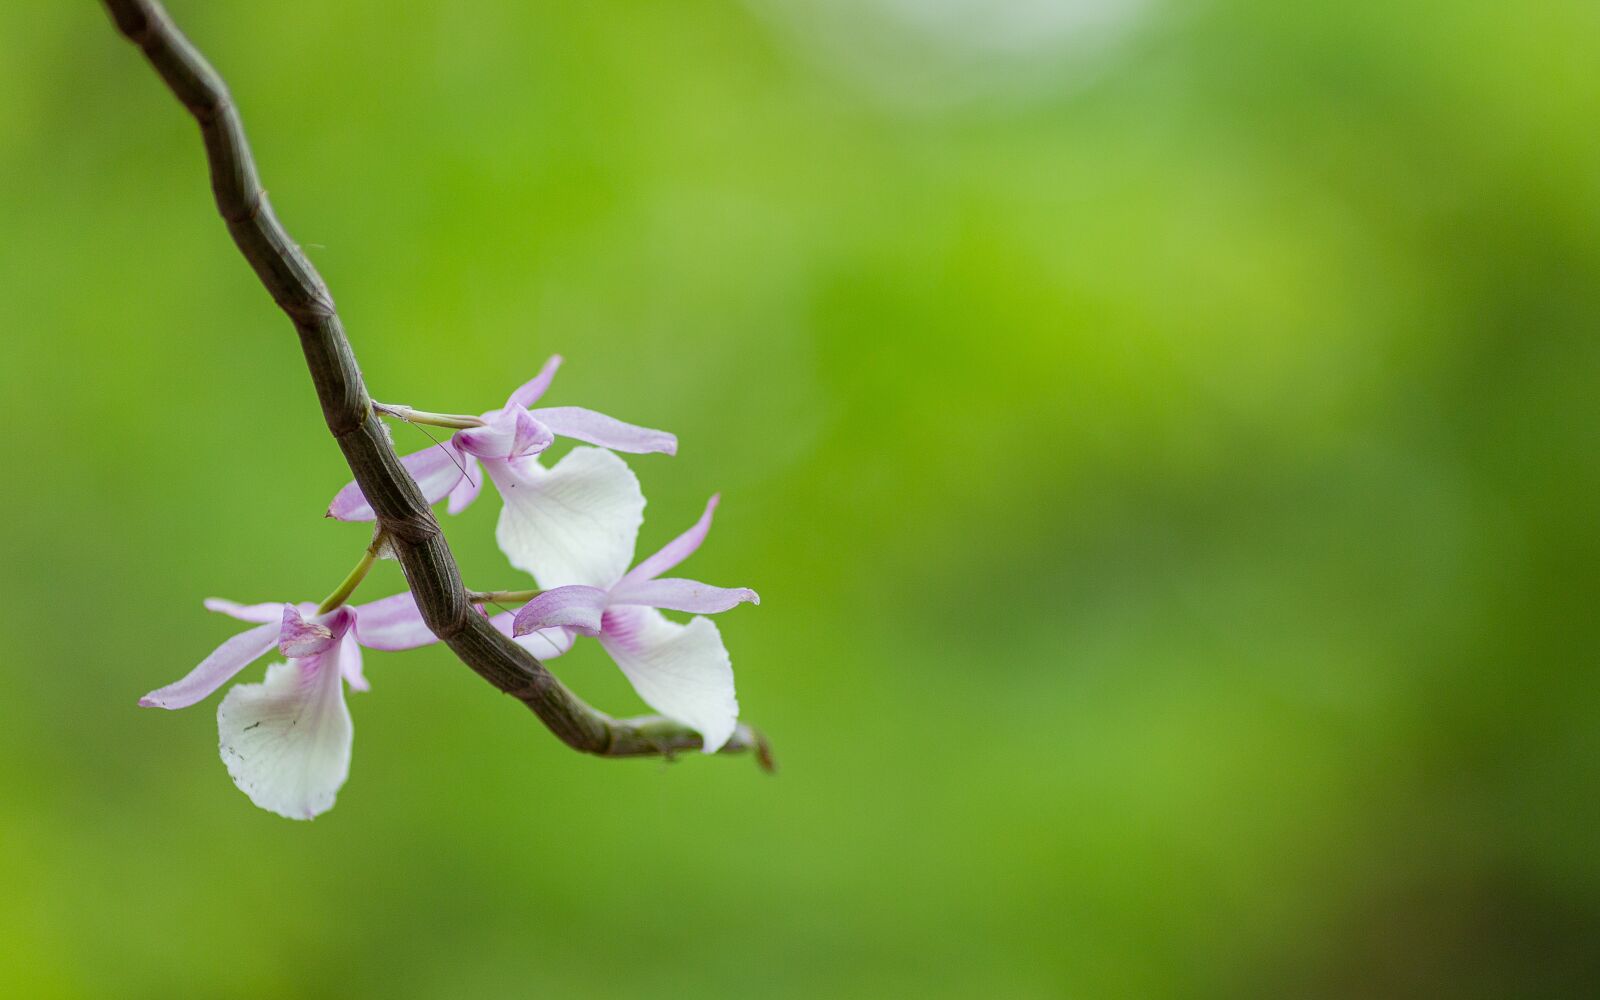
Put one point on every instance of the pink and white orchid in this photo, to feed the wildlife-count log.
(682, 671)
(508, 436)
(565, 519)
(286, 741)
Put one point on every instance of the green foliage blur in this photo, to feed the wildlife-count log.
(1165, 441)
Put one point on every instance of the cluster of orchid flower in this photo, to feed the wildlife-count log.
(572, 526)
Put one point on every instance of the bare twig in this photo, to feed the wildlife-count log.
(295, 285)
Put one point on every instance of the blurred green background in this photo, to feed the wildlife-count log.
(1164, 437)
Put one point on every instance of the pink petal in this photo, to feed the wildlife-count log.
(495, 439)
(467, 490)
(436, 469)
(577, 608)
(529, 393)
(683, 595)
(682, 671)
(607, 432)
(675, 551)
(350, 662)
(215, 670)
(269, 612)
(392, 623)
(298, 637)
(546, 644)
(532, 437)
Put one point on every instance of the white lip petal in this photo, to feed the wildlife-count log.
(573, 524)
(286, 742)
(681, 671)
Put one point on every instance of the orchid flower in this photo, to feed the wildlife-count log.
(566, 516)
(507, 435)
(682, 671)
(286, 741)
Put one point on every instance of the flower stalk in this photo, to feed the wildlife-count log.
(348, 586)
(412, 415)
(502, 596)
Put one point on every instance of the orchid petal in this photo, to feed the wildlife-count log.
(272, 611)
(577, 608)
(466, 491)
(392, 623)
(532, 436)
(509, 433)
(682, 671)
(683, 595)
(607, 432)
(299, 637)
(436, 469)
(228, 659)
(675, 551)
(286, 741)
(529, 393)
(350, 662)
(495, 439)
(575, 523)
(546, 644)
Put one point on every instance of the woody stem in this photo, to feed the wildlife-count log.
(402, 511)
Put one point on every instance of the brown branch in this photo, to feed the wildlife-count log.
(295, 285)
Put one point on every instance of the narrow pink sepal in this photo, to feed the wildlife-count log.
(683, 595)
(675, 551)
(436, 469)
(235, 653)
(392, 623)
(529, 392)
(607, 432)
(258, 613)
(350, 662)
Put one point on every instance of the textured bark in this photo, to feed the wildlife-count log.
(415, 535)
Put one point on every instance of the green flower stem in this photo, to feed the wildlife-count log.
(345, 589)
